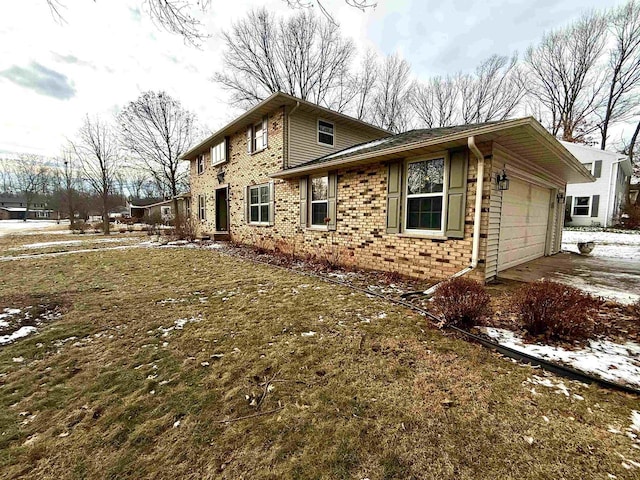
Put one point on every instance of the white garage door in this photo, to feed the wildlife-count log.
(523, 225)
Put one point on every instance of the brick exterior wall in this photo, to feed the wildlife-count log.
(360, 238)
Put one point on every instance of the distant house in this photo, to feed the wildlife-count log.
(162, 209)
(15, 208)
(597, 203)
(478, 199)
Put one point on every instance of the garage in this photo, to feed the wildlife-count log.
(523, 223)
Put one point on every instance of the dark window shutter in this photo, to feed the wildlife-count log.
(227, 149)
(394, 197)
(265, 136)
(597, 169)
(303, 201)
(272, 203)
(456, 194)
(249, 139)
(567, 208)
(332, 210)
(595, 203)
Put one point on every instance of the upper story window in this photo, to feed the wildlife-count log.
(425, 195)
(325, 133)
(257, 136)
(319, 200)
(200, 164)
(588, 166)
(219, 153)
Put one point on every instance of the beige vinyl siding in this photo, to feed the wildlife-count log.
(303, 137)
(493, 234)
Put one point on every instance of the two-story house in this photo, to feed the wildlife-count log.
(598, 203)
(294, 176)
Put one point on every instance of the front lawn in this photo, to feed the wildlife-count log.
(189, 363)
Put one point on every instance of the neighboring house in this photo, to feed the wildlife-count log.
(162, 209)
(598, 203)
(286, 175)
(14, 208)
(634, 191)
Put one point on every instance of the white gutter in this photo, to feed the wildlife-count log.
(477, 215)
(475, 252)
(607, 219)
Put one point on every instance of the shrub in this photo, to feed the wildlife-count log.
(556, 311)
(462, 302)
(630, 217)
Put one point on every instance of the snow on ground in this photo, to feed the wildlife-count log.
(608, 244)
(611, 361)
(69, 243)
(20, 333)
(73, 252)
(20, 226)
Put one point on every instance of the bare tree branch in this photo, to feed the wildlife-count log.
(361, 5)
(565, 76)
(436, 102)
(393, 92)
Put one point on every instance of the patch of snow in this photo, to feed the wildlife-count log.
(599, 290)
(19, 226)
(70, 243)
(635, 421)
(624, 246)
(608, 360)
(72, 252)
(20, 333)
(310, 333)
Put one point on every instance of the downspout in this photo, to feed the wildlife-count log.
(477, 215)
(289, 133)
(607, 219)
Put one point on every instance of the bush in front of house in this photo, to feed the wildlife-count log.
(556, 311)
(463, 302)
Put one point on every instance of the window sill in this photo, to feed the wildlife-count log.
(258, 151)
(219, 163)
(318, 228)
(425, 236)
(326, 145)
(261, 224)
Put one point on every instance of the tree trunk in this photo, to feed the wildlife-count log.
(105, 214)
(176, 215)
(26, 212)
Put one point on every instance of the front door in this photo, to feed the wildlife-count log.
(222, 210)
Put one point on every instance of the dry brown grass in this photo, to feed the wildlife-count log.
(369, 395)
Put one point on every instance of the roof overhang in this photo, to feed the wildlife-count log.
(274, 101)
(525, 137)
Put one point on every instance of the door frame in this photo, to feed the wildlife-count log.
(226, 193)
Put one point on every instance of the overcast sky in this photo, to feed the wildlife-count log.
(108, 52)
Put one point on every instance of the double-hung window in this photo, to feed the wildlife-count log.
(219, 153)
(425, 195)
(202, 211)
(325, 133)
(319, 200)
(259, 204)
(581, 206)
(200, 164)
(257, 136)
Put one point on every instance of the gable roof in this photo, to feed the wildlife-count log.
(268, 105)
(523, 136)
(587, 154)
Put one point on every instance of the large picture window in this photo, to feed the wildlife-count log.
(259, 204)
(425, 195)
(319, 200)
(581, 206)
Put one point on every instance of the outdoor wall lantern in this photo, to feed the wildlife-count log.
(560, 197)
(220, 176)
(503, 181)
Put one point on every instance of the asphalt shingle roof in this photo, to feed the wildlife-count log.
(412, 136)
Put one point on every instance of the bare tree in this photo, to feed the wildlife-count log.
(302, 56)
(175, 16)
(362, 5)
(493, 92)
(436, 102)
(364, 83)
(158, 130)
(393, 91)
(29, 175)
(97, 151)
(6, 175)
(623, 73)
(564, 75)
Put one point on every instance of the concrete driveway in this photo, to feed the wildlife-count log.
(612, 271)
